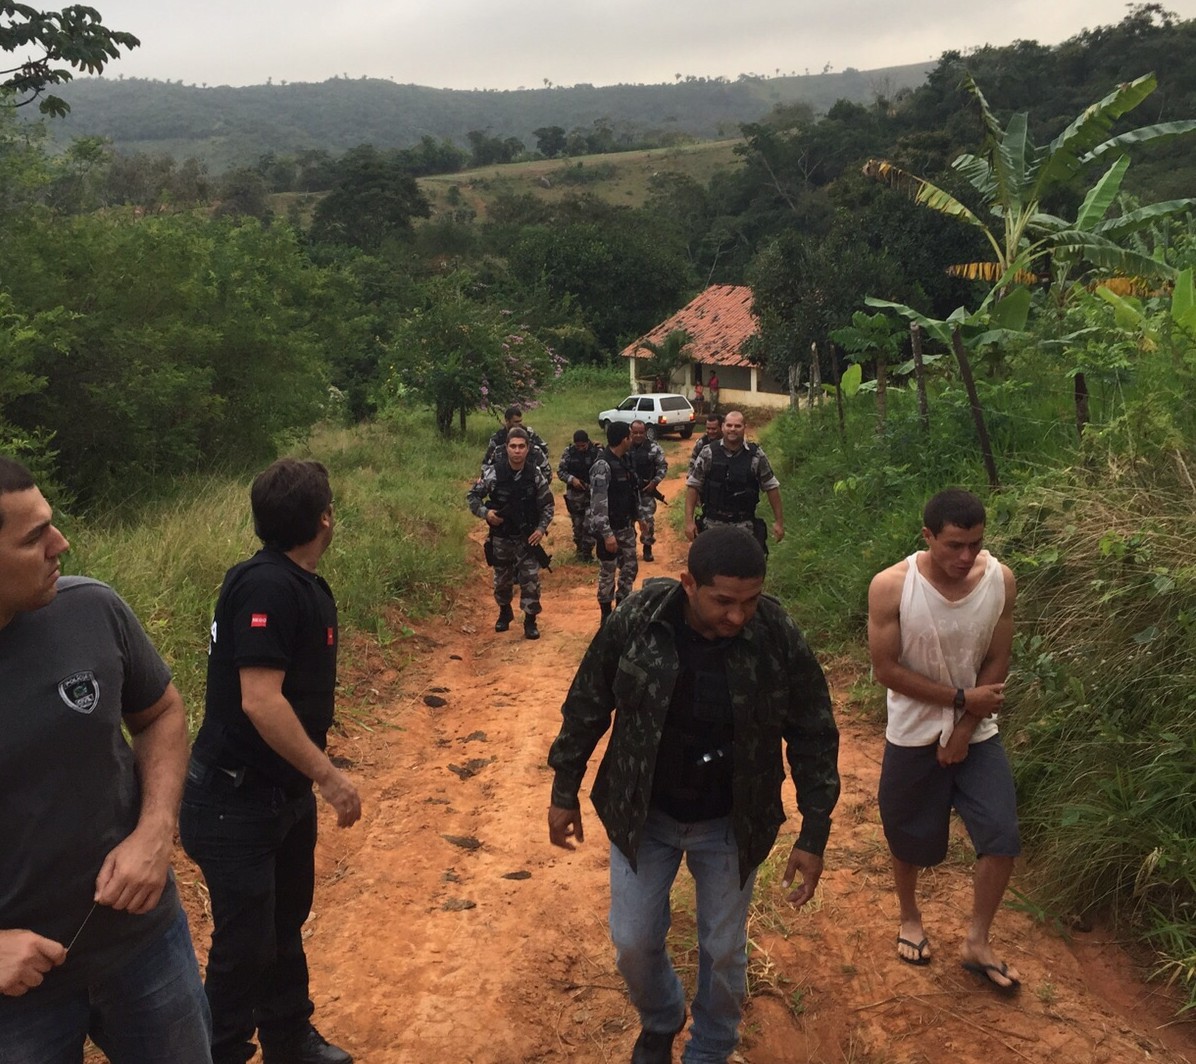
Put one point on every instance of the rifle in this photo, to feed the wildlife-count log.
(542, 557)
(655, 494)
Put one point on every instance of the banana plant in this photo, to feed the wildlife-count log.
(871, 336)
(1014, 175)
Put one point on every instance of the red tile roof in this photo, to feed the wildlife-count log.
(718, 321)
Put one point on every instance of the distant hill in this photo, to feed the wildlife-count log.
(224, 126)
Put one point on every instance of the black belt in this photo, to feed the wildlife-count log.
(243, 780)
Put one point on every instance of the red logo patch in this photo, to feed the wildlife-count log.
(331, 638)
(258, 620)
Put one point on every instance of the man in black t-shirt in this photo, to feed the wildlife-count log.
(92, 938)
(249, 815)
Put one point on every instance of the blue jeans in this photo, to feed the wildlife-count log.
(151, 1010)
(639, 924)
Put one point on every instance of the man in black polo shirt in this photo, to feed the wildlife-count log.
(249, 816)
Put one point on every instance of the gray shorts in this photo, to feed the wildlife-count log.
(917, 795)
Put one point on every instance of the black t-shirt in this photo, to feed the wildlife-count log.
(692, 779)
(271, 614)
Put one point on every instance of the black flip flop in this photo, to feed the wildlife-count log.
(984, 971)
(921, 960)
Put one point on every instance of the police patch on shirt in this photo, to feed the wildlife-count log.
(80, 691)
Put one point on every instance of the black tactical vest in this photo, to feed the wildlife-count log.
(731, 490)
(623, 496)
(514, 500)
(643, 463)
(577, 464)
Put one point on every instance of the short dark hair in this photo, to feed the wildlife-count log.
(14, 477)
(639, 421)
(616, 433)
(581, 436)
(512, 411)
(518, 432)
(715, 417)
(288, 499)
(725, 550)
(953, 507)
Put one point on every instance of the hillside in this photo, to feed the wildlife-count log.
(621, 179)
(224, 126)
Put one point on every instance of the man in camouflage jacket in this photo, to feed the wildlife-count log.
(614, 504)
(574, 471)
(706, 679)
(514, 498)
(651, 467)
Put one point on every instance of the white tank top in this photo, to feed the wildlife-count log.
(945, 641)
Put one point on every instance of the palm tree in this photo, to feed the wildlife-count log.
(667, 357)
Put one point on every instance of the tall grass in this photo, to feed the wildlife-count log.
(400, 539)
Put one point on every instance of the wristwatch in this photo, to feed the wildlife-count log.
(959, 698)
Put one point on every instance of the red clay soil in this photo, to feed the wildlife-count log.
(446, 928)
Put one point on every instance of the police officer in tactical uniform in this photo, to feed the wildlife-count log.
(496, 445)
(614, 504)
(714, 433)
(514, 498)
(574, 470)
(648, 461)
(728, 476)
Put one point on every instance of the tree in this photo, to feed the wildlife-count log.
(1014, 177)
(459, 354)
(872, 335)
(550, 141)
(372, 200)
(73, 36)
(667, 357)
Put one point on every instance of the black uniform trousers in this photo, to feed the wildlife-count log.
(255, 844)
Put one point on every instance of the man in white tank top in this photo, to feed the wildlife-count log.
(940, 632)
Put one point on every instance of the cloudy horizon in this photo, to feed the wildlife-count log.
(474, 44)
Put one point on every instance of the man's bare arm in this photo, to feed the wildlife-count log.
(274, 718)
(133, 874)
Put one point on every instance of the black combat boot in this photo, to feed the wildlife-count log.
(648, 552)
(530, 631)
(310, 1047)
(606, 609)
(655, 1047)
(505, 616)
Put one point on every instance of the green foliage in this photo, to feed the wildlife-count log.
(73, 36)
(164, 346)
(667, 356)
(624, 277)
(373, 200)
(457, 354)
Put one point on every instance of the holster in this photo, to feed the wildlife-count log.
(488, 550)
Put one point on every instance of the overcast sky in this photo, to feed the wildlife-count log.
(505, 44)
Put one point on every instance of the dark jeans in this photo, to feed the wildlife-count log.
(256, 847)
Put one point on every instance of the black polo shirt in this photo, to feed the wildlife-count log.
(271, 614)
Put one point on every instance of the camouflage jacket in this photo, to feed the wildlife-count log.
(778, 693)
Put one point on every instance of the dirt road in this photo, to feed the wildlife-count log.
(446, 929)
